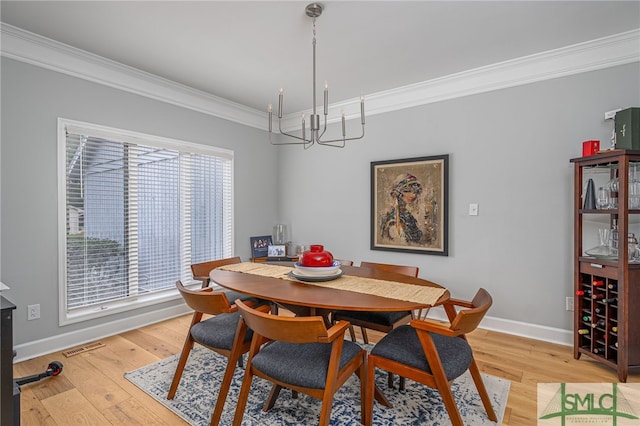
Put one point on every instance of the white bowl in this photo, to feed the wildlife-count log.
(318, 270)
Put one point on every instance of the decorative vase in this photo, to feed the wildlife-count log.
(590, 196)
(316, 256)
(280, 234)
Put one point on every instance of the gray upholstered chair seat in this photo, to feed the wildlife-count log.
(383, 318)
(402, 345)
(219, 331)
(301, 364)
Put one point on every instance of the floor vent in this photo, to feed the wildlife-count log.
(81, 349)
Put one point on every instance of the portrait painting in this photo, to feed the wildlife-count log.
(409, 203)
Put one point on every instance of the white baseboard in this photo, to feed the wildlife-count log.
(518, 328)
(60, 342)
(41, 347)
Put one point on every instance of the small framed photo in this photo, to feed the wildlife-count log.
(277, 250)
(260, 246)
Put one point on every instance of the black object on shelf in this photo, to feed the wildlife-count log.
(590, 196)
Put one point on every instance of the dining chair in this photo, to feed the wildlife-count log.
(433, 353)
(223, 333)
(201, 270)
(302, 355)
(380, 321)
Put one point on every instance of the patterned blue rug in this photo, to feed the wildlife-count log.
(417, 405)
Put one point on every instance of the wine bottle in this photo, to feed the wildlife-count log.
(613, 286)
(599, 323)
(598, 350)
(586, 318)
(598, 296)
(599, 310)
(598, 283)
(614, 329)
(610, 301)
(585, 293)
(584, 331)
(615, 344)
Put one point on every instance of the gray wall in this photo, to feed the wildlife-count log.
(509, 151)
(32, 100)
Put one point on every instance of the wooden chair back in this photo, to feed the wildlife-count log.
(298, 330)
(360, 319)
(411, 271)
(205, 300)
(200, 271)
(283, 328)
(469, 319)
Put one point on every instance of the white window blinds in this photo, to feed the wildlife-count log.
(139, 211)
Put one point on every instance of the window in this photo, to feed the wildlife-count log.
(138, 210)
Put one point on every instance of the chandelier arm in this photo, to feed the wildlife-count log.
(321, 142)
(305, 144)
(330, 143)
(304, 141)
(324, 129)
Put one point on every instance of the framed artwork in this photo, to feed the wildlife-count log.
(260, 246)
(277, 250)
(409, 205)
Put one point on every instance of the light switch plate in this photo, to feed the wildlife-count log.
(473, 209)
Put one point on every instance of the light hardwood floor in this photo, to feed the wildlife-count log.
(91, 389)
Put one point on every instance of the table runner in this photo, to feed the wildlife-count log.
(389, 289)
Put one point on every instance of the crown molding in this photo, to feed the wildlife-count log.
(619, 49)
(43, 52)
(611, 51)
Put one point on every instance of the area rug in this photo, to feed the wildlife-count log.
(416, 405)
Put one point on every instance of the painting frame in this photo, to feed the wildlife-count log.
(277, 250)
(415, 190)
(260, 246)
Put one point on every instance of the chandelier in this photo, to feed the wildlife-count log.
(314, 10)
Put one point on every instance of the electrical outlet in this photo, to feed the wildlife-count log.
(33, 312)
(569, 304)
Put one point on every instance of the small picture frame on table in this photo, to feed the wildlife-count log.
(277, 250)
(260, 246)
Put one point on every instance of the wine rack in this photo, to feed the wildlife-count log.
(598, 305)
(607, 289)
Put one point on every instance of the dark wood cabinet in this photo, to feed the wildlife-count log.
(7, 401)
(607, 287)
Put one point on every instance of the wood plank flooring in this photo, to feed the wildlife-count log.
(91, 390)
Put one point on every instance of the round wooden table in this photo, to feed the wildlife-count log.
(309, 299)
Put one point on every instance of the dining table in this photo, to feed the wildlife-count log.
(356, 289)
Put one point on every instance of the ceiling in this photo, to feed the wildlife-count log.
(245, 51)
